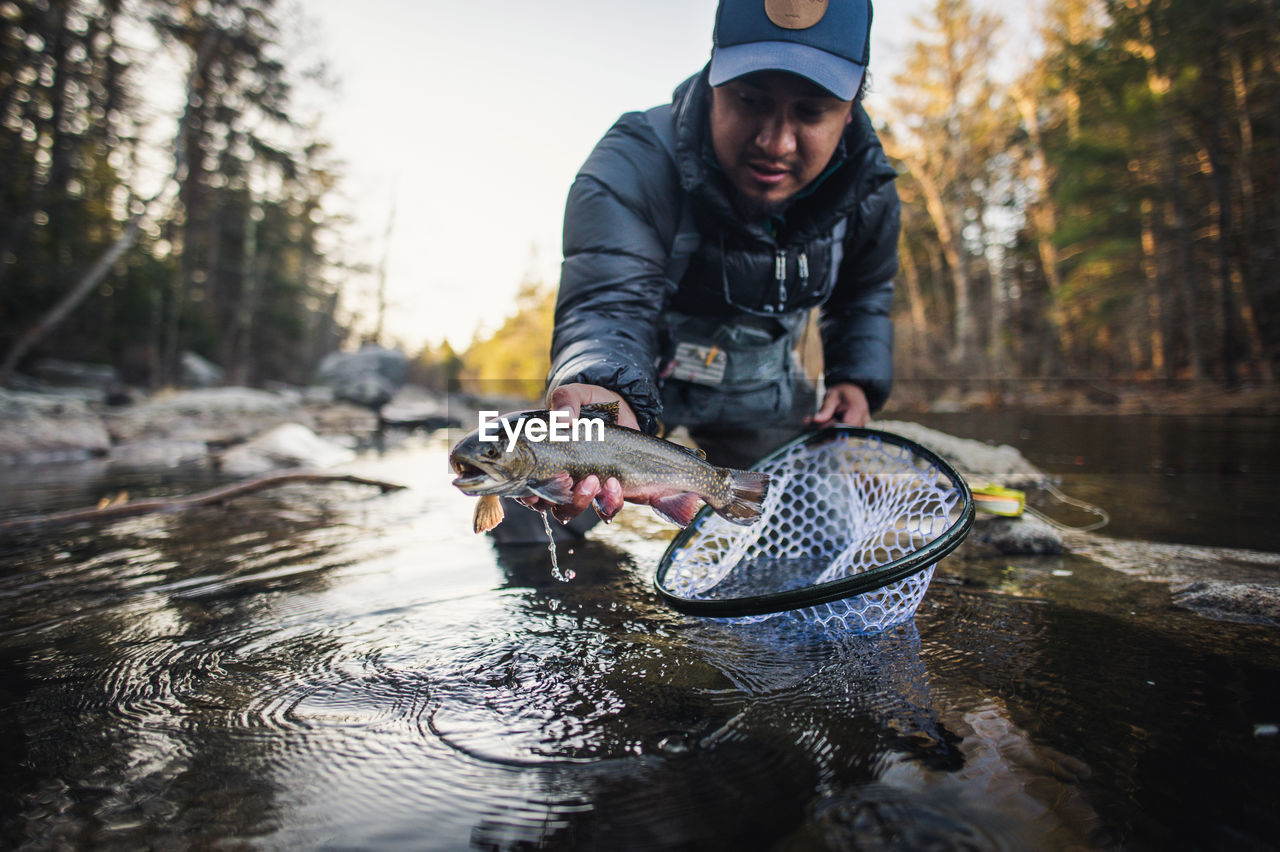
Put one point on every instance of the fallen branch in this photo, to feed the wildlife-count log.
(181, 504)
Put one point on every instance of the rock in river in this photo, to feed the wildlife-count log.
(214, 415)
(369, 377)
(40, 428)
(288, 445)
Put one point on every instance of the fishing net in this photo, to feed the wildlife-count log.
(853, 524)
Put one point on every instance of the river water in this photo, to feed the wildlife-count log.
(330, 667)
(1206, 480)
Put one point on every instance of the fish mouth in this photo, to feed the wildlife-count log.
(468, 475)
(474, 480)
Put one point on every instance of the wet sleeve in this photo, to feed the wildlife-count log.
(612, 284)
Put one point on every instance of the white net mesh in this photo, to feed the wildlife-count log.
(835, 509)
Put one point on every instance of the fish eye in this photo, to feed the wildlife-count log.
(492, 452)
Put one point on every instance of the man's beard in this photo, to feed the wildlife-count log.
(754, 209)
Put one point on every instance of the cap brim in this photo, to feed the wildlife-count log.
(838, 76)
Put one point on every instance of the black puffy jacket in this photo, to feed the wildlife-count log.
(622, 216)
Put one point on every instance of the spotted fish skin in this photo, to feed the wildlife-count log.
(674, 480)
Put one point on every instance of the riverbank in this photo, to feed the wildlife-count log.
(228, 428)
(1082, 396)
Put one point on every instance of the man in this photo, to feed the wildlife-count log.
(698, 237)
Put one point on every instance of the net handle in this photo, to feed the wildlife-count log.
(858, 584)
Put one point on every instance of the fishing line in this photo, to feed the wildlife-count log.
(1089, 508)
(1012, 503)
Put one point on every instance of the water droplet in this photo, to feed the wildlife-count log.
(676, 745)
(567, 574)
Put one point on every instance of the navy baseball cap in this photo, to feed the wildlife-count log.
(826, 41)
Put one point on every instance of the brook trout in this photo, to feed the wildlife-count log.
(674, 480)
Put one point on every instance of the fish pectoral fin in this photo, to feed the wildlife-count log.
(606, 411)
(554, 489)
(489, 514)
(679, 509)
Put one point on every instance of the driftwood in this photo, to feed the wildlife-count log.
(113, 511)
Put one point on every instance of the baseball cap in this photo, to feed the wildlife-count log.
(826, 41)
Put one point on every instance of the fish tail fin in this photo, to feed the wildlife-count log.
(747, 489)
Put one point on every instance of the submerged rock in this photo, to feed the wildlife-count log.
(1227, 584)
(39, 428)
(1024, 536)
(1246, 602)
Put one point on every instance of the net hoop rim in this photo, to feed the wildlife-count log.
(834, 590)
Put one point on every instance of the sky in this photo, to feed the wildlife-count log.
(469, 120)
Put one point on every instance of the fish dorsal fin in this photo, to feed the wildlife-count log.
(606, 411)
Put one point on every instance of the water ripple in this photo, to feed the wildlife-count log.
(381, 678)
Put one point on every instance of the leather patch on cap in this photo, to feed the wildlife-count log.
(795, 14)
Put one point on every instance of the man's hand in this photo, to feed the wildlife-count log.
(571, 398)
(844, 403)
(608, 495)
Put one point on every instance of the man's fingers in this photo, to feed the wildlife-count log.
(609, 501)
(825, 413)
(583, 493)
(565, 399)
(572, 397)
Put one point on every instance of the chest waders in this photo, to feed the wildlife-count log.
(737, 370)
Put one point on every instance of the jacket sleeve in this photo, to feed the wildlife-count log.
(612, 282)
(857, 332)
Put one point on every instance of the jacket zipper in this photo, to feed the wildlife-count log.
(780, 273)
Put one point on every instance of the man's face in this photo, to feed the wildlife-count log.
(773, 133)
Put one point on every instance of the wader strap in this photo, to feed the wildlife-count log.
(837, 254)
(687, 238)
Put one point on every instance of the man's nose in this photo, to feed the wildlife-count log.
(777, 137)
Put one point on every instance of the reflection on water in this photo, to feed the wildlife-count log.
(335, 667)
(1205, 480)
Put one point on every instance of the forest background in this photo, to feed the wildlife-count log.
(1113, 213)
